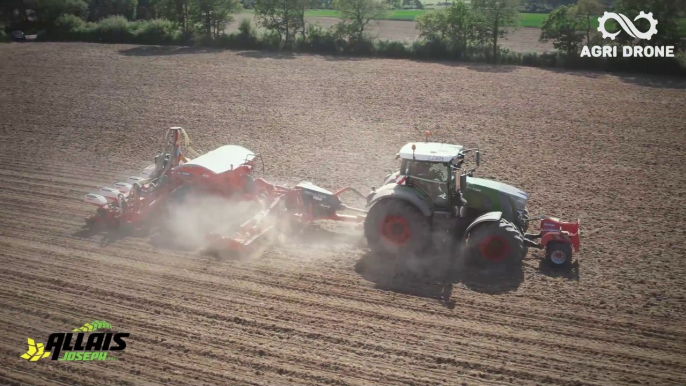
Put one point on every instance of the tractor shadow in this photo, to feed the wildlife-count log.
(435, 277)
(316, 235)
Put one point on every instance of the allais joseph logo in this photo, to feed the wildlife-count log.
(93, 348)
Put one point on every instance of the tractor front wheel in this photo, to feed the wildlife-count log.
(495, 242)
(395, 226)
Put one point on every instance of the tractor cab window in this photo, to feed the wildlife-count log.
(432, 178)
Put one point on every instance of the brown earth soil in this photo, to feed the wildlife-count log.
(519, 40)
(319, 309)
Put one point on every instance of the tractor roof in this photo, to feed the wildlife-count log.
(430, 151)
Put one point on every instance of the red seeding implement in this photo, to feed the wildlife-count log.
(431, 194)
(226, 171)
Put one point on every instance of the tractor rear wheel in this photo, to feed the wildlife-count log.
(495, 242)
(395, 227)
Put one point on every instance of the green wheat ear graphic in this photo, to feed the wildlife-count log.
(35, 351)
(94, 326)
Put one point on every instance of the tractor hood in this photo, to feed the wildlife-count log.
(482, 185)
(495, 185)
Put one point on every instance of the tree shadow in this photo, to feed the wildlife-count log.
(655, 81)
(166, 50)
(434, 277)
(643, 80)
(582, 73)
(344, 58)
(267, 54)
(490, 68)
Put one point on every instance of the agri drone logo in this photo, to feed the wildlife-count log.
(627, 25)
(93, 348)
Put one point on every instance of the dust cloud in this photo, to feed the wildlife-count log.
(188, 223)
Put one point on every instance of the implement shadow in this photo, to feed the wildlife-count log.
(111, 236)
(569, 272)
(434, 278)
(166, 50)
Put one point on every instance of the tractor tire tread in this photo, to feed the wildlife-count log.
(506, 229)
(421, 232)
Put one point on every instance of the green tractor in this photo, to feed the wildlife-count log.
(432, 196)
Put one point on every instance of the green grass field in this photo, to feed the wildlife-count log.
(408, 15)
(534, 20)
(526, 19)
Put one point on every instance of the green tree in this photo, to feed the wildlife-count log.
(456, 23)
(181, 12)
(494, 16)
(588, 9)
(356, 15)
(463, 23)
(212, 16)
(433, 25)
(667, 12)
(13, 12)
(394, 4)
(146, 10)
(285, 17)
(301, 7)
(100, 9)
(562, 26)
(47, 11)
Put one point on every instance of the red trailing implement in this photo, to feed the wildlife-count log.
(227, 172)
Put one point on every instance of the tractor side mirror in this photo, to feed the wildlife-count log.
(463, 182)
(478, 158)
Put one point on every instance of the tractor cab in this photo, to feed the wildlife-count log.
(432, 167)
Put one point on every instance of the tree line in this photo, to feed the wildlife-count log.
(207, 18)
(461, 25)
(204, 17)
(462, 31)
(569, 27)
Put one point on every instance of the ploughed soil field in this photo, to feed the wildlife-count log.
(318, 308)
(518, 39)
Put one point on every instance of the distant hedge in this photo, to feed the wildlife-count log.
(114, 29)
(117, 29)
